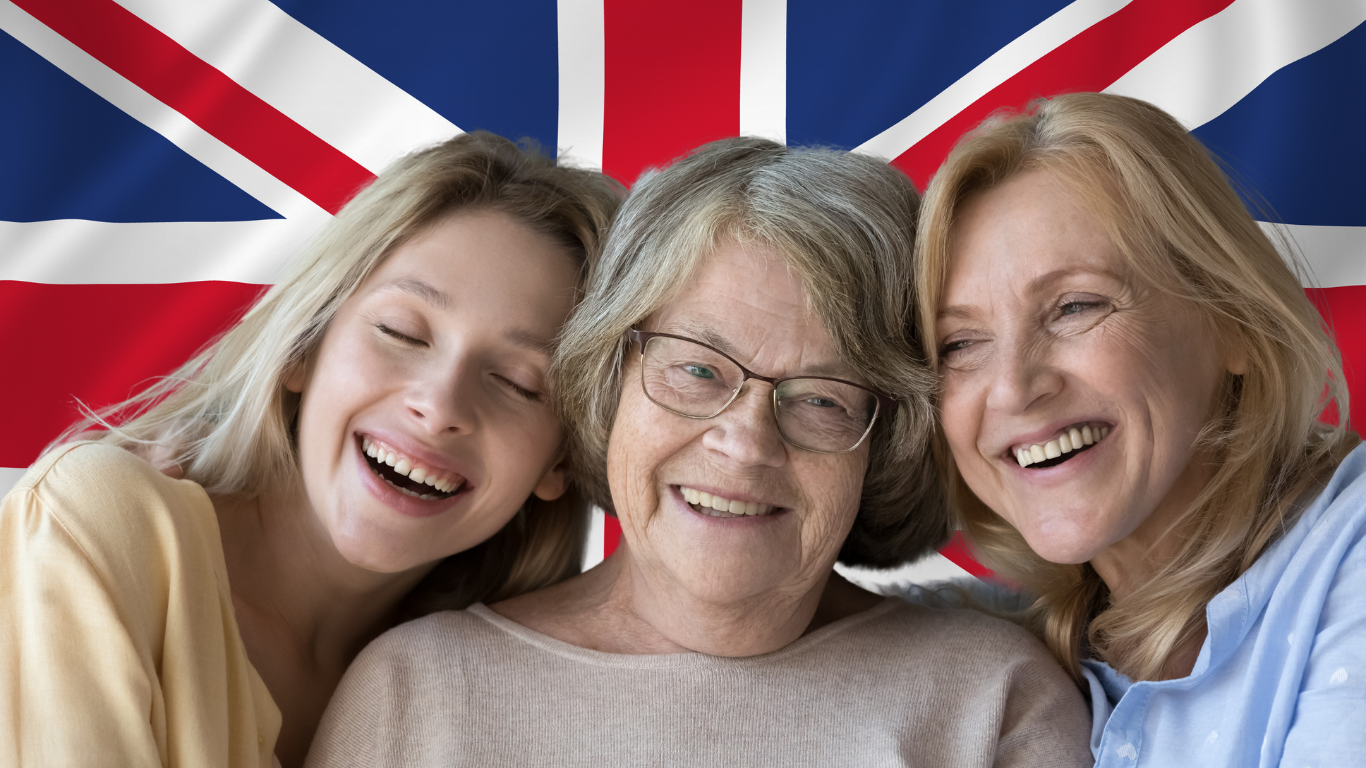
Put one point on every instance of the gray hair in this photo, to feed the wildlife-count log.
(845, 224)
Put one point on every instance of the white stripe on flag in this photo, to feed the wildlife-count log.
(1211, 66)
(929, 569)
(763, 69)
(583, 74)
(999, 67)
(8, 477)
(1334, 256)
(194, 140)
(302, 74)
(597, 538)
(75, 252)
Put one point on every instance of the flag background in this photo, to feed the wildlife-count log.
(159, 160)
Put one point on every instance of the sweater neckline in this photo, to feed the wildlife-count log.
(685, 659)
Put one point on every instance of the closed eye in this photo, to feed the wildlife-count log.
(403, 337)
(525, 393)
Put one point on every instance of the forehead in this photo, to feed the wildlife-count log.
(1024, 235)
(746, 300)
(485, 264)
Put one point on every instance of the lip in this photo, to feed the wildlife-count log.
(676, 492)
(389, 495)
(1040, 436)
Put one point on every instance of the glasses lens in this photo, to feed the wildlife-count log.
(688, 378)
(824, 415)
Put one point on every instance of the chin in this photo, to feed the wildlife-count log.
(1063, 548)
(373, 554)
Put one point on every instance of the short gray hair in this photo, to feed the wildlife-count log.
(845, 224)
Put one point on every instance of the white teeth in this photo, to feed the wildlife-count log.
(404, 466)
(707, 502)
(1070, 440)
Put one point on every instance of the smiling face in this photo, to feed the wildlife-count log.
(798, 506)
(425, 420)
(1046, 336)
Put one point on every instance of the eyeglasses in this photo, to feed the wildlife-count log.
(814, 413)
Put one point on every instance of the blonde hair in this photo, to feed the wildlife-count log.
(226, 415)
(845, 224)
(1176, 219)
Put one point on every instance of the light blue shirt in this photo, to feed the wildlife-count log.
(1281, 678)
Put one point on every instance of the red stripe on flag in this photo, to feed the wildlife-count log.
(960, 554)
(1344, 308)
(671, 80)
(184, 82)
(1091, 61)
(611, 535)
(98, 343)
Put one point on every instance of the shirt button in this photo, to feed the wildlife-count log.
(1128, 751)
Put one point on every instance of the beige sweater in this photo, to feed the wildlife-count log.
(898, 684)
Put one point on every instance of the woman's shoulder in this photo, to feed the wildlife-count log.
(111, 503)
(958, 630)
(445, 635)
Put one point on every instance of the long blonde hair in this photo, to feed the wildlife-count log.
(226, 416)
(1178, 222)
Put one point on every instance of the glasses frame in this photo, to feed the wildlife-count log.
(884, 401)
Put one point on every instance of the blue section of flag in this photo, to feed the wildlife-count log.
(490, 65)
(1299, 139)
(856, 68)
(66, 153)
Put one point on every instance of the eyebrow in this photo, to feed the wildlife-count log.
(442, 300)
(963, 312)
(706, 335)
(528, 340)
(421, 289)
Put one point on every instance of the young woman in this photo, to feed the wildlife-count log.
(384, 407)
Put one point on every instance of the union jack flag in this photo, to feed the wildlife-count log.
(161, 158)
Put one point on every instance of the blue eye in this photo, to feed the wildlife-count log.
(700, 371)
(1073, 307)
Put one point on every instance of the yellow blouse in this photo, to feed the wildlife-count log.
(118, 643)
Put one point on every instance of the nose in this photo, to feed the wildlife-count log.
(1021, 376)
(746, 431)
(443, 399)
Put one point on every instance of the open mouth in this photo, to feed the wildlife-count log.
(1064, 446)
(707, 504)
(408, 475)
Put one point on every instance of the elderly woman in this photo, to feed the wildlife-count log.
(1132, 390)
(745, 380)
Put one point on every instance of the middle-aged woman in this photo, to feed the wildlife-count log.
(747, 393)
(1132, 386)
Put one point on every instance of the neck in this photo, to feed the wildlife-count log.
(619, 607)
(288, 579)
(1133, 561)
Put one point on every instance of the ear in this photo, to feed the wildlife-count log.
(1235, 361)
(555, 481)
(296, 377)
